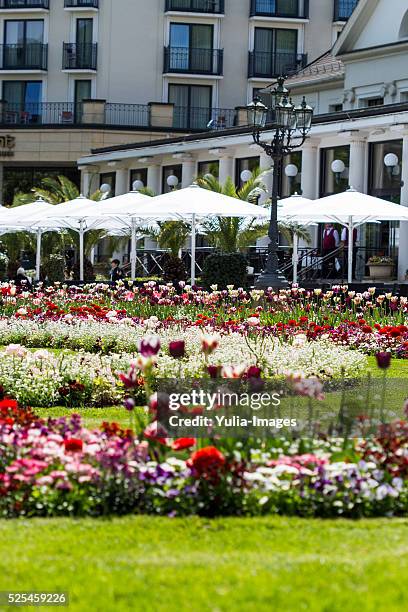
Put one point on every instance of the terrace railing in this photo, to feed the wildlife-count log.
(287, 9)
(80, 56)
(81, 4)
(29, 56)
(185, 60)
(24, 4)
(343, 9)
(270, 65)
(195, 6)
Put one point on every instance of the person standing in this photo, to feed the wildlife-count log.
(331, 241)
(344, 244)
(116, 272)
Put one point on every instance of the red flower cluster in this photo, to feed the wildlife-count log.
(12, 414)
(73, 445)
(115, 430)
(207, 463)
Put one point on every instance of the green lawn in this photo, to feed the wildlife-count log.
(159, 564)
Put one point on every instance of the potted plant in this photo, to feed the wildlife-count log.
(381, 267)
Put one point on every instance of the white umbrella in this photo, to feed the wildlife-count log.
(350, 209)
(195, 202)
(25, 217)
(286, 208)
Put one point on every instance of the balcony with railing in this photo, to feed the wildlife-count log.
(80, 56)
(184, 60)
(267, 65)
(195, 6)
(29, 56)
(285, 9)
(343, 9)
(81, 4)
(124, 116)
(24, 5)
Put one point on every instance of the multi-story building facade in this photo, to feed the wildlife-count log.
(81, 74)
(360, 95)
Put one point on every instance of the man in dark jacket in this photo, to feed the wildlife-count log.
(116, 272)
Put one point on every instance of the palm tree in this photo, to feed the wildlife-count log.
(231, 234)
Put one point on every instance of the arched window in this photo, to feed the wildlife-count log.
(403, 33)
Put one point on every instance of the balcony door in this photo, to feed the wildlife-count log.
(23, 100)
(23, 43)
(84, 40)
(191, 47)
(82, 92)
(275, 51)
(192, 106)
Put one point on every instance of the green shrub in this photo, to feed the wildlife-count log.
(224, 269)
(4, 262)
(54, 267)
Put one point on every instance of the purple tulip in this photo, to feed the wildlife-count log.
(177, 349)
(129, 403)
(150, 346)
(383, 360)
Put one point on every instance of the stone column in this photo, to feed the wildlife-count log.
(153, 178)
(309, 181)
(122, 181)
(358, 147)
(188, 172)
(85, 183)
(226, 169)
(403, 233)
(266, 165)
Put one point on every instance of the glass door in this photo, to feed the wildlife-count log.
(192, 105)
(285, 51)
(191, 47)
(23, 100)
(82, 92)
(84, 39)
(24, 43)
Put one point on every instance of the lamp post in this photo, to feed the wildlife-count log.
(289, 123)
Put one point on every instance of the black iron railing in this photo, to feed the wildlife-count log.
(200, 118)
(269, 65)
(80, 56)
(40, 113)
(29, 56)
(343, 9)
(81, 3)
(292, 9)
(24, 4)
(186, 60)
(115, 114)
(196, 6)
(127, 114)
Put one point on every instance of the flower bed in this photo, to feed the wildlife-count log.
(58, 467)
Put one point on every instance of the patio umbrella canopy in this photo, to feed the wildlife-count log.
(194, 203)
(24, 218)
(351, 209)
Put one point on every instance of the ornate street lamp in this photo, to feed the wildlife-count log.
(291, 125)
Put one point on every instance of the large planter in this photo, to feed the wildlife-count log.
(381, 271)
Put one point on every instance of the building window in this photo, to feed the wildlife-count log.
(375, 102)
(291, 184)
(384, 182)
(209, 167)
(245, 163)
(275, 52)
(23, 44)
(82, 91)
(335, 108)
(169, 171)
(108, 178)
(23, 100)
(191, 48)
(84, 42)
(331, 183)
(138, 175)
(404, 96)
(192, 106)
(22, 179)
